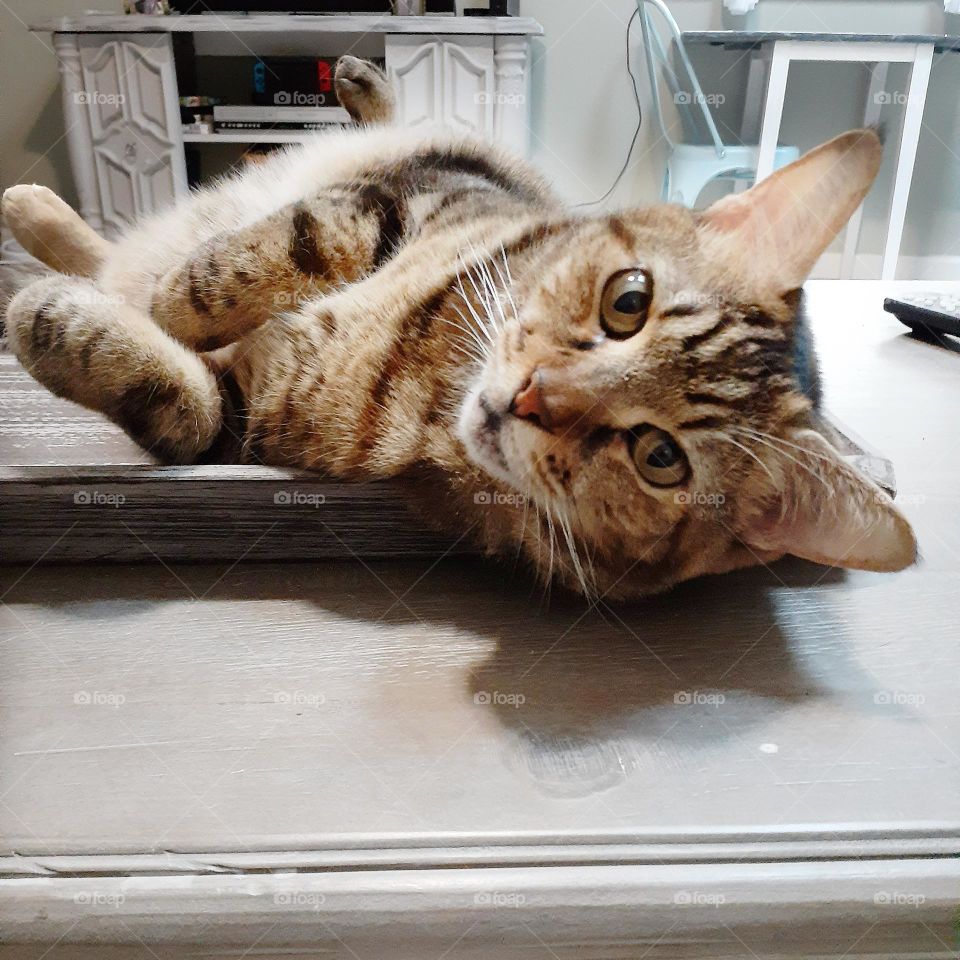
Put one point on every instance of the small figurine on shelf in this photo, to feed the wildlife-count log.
(154, 7)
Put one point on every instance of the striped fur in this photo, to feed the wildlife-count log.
(375, 303)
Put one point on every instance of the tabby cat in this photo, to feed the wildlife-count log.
(625, 399)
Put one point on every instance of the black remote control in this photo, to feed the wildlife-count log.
(926, 312)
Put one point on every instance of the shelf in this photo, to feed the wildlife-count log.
(255, 136)
(289, 23)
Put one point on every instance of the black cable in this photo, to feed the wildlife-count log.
(636, 133)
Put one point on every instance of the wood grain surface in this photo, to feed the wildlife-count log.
(192, 721)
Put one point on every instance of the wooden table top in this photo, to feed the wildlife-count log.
(159, 708)
(346, 715)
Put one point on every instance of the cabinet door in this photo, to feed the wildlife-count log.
(130, 98)
(468, 85)
(414, 69)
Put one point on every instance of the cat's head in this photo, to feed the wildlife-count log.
(647, 394)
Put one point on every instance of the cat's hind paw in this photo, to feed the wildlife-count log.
(364, 90)
(52, 231)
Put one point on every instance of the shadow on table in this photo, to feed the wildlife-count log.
(586, 694)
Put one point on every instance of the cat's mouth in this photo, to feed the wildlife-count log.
(480, 429)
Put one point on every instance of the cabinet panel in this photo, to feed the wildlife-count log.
(414, 69)
(130, 100)
(468, 85)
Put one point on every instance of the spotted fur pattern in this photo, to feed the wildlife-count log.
(370, 307)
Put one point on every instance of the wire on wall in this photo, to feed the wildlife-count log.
(636, 133)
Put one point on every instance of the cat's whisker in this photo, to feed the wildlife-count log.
(490, 322)
(751, 454)
(507, 281)
(563, 522)
(469, 341)
(489, 296)
(487, 278)
(796, 446)
(816, 474)
(469, 304)
(481, 296)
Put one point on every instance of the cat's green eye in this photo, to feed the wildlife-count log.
(658, 457)
(625, 303)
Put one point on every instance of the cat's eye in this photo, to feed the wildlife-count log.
(625, 302)
(658, 457)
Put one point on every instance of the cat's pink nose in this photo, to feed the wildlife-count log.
(529, 403)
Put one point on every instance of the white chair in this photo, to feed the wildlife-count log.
(691, 166)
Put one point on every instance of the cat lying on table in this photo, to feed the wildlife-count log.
(626, 398)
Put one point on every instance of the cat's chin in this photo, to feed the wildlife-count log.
(479, 429)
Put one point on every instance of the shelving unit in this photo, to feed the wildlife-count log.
(120, 89)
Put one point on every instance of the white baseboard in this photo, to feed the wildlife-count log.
(867, 267)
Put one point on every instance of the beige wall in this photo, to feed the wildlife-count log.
(584, 109)
(32, 145)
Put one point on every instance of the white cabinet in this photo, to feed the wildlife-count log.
(477, 85)
(120, 100)
(443, 81)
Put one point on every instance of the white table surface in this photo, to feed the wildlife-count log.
(212, 718)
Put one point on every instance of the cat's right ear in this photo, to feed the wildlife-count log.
(777, 229)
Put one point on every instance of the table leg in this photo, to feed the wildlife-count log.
(753, 98)
(912, 120)
(773, 108)
(871, 115)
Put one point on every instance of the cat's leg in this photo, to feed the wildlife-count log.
(364, 90)
(91, 348)
(53, 232)
(236, 282)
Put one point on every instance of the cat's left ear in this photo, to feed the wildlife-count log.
(779, 227)
(818, 507)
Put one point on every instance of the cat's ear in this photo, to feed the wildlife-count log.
(779, 227)
(818, 507)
